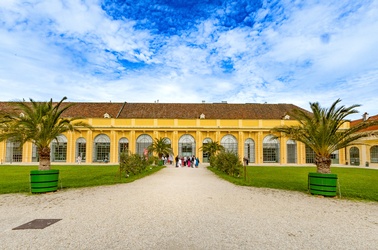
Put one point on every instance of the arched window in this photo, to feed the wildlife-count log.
(142, 143)
(59, 149)
(249, 150)
(205, 156)
(81, 149)
(230, 143)
(271, 149)
(374, 154)
(335, 157)
(354, 155)
(310, 155)
(14, 151)
(168, 141)
(291, 146)
(35, 156)
(123, 145)
(101, 148)
(187, 145)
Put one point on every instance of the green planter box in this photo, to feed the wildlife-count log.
(43, 181)
(322, 184)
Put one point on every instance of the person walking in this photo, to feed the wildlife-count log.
(177, 161)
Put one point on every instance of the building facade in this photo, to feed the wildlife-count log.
(365, 151)
(240, 128)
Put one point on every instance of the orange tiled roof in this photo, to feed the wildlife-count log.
(93, 109)
(82, 109)
(210, 110)
(372, 128)
(176, 110)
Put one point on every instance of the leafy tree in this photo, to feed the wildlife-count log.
(322, 131)
(37, 122)
(212, 148)
(160, 147)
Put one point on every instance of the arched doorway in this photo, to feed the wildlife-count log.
(354, 155)
(249, 150)
(59, 149)
(123, 145)
(187, 146)
(142, 143)
(335, 157)
(310, 155)
(229, 143)
(101, 148)
(374, 154)
(291, 146)
(81, 149)
(271, 149)
(205, 155)
(13, 151)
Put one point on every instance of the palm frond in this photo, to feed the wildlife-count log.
(322, 130)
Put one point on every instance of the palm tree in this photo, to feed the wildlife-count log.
(37, 122)
(322, 131)
(160, 147)
(212, 148)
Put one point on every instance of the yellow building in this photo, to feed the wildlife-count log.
(365, 151)
(241, 128)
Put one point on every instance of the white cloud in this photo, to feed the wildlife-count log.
(297, 53)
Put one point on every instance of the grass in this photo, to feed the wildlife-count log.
(15, 179)
(354, 183)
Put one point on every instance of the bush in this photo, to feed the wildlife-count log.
(227, 162)
(132, 164)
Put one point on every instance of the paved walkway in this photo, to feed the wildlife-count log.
(185, 208)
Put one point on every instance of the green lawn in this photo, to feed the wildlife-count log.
(354, 183)
(15, 179)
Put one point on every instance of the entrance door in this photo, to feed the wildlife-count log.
(205, 156)
(354, 154)
(187, 146)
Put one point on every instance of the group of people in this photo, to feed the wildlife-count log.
(166, 159)
(190, 162)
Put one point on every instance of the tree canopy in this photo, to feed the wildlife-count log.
(211, 148)
(160, 147)
(324, 132)
(39, 123)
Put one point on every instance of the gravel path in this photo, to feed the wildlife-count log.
(185, 208)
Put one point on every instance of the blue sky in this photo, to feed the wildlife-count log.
(189, 51)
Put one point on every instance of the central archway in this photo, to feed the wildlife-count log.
(187, 146)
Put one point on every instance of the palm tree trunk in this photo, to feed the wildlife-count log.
(44, 158)
(323, 164)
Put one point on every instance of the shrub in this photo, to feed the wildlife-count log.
(227, 162)
(132, 163)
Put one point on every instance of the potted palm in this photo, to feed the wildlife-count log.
(160, 147)
(40, 123)
(322, 131)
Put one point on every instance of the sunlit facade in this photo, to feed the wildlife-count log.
(365, 152)
(241, 128)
